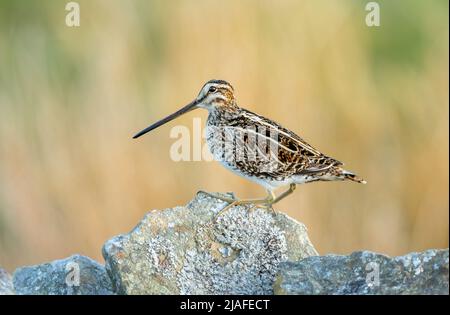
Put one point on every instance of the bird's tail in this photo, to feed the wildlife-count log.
(346, 175)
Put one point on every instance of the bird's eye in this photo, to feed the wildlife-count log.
(212, 89)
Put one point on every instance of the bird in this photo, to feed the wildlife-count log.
(257, 148)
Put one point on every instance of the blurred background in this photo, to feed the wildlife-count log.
(376, 98)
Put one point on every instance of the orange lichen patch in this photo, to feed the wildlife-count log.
(120, 255)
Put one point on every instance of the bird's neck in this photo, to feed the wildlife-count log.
(221, 114)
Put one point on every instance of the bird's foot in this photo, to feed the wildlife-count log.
(218, 196)
(263, 203)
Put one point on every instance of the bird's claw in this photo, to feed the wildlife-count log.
(267, 207)
(220, 197)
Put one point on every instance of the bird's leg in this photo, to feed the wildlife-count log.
(265, 201)
(285, 194)
(276, 199)
(268, 205)
(217, 196)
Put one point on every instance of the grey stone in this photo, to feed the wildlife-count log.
(76, 275)
(366, 273)
(6, 285)
(183, 250)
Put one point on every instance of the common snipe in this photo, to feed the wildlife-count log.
(256, 147)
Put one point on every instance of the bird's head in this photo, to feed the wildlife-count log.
(213, 95)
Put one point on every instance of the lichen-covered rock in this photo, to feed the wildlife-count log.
(366, 273)
(185, 251)
(6, 286)
(71, 276)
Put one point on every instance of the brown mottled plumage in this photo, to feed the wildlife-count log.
(256, 147)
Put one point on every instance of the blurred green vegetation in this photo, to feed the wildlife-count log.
(70, 99)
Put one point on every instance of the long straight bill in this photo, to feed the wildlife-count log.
(180, 112)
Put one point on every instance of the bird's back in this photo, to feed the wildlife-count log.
(255, 146)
